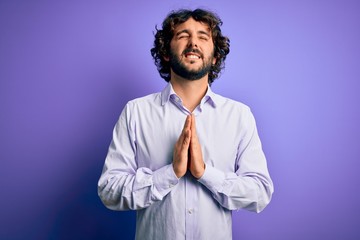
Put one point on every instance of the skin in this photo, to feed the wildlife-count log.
(196, 35)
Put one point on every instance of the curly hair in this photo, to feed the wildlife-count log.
(163, 38)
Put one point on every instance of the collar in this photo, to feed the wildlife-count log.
(168, 91)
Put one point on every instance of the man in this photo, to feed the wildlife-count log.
(186, 157)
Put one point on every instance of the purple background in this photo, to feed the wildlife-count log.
(67, 68)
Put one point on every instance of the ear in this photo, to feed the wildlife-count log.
(214, 61)
(166, 58)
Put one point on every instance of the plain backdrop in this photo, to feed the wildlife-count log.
(67, 68)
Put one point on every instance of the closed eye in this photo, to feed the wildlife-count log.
(183, 36)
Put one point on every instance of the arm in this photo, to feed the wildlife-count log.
(250, 186)
(124, 186)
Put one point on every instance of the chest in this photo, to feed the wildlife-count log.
(157, 134)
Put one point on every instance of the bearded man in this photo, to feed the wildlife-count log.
(185, 157)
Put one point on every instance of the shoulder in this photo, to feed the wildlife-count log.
(234, 111)
(145, 101)
(230, 104)
(140, 106)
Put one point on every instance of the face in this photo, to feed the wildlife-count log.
(191, 50)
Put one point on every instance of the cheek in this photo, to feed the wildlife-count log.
(178, 48)
(173, 48)
(211, 50)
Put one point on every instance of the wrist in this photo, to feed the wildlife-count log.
(178, 173)
(199, 172)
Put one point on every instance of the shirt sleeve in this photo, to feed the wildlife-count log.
(124, 186)
(250, 186)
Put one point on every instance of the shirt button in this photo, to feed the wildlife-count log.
(190, 211)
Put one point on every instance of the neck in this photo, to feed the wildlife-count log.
(190, 92)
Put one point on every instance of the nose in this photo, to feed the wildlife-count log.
(192, 42)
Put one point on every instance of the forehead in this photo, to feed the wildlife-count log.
(192, 25)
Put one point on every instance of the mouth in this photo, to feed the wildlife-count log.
(192, 56)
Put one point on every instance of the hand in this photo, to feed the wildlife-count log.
(181, 150)
(196, 165)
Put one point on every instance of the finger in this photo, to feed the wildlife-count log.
(186, 127)
(187, 122)
(193, 126)
(186, 141)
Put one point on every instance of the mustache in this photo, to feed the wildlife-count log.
(194, 50)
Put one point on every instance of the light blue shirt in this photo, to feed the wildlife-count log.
(138, 172)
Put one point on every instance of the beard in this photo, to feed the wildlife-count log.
(180, 69)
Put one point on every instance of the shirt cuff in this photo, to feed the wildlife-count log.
(164, 179)
(213, 179)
